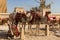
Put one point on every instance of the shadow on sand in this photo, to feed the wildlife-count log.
(3, 34)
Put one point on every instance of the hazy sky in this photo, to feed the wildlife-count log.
(27, 4)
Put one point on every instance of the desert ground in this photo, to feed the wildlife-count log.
(41, 36)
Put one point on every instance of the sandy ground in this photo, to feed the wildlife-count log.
(4, 29)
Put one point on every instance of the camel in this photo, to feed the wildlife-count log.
(35, 19)
(14, 20)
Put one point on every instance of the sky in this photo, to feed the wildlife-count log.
(27, 4)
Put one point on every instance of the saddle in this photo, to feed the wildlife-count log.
(15, 30)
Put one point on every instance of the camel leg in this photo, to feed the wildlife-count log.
(24, 27)
(47, 30)
(22, 36)
(59, 26)
(29, 28)
(37, 29)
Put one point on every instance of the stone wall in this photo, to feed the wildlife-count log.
(4, 15)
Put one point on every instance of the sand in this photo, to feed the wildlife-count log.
(32, 37)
